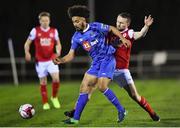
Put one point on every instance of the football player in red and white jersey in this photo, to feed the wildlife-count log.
(122, 74)
(45, 39)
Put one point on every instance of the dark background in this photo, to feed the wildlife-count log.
(18, 17)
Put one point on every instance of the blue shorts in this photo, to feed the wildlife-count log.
(103, 68)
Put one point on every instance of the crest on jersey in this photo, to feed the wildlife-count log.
(51, 35)
(124, 34)
(92, 34)
(86, 45)
(39, 34)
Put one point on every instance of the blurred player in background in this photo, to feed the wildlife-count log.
(91, 37)
(45, 39)
(122, 75)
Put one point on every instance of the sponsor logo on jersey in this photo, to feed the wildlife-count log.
(92, 34)
(94, 42)
(45, 41)
(51, 35)
(39, 34)
(124, 34)
(86, 45)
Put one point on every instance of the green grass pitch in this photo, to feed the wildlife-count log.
(163, 95)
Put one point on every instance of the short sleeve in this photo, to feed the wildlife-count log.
(32, 34)
(74, 43)
(131, 33)
(56, 35)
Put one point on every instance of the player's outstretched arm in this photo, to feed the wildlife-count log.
(27, 50)
(147, 23)
(116, 32)
(67, 58)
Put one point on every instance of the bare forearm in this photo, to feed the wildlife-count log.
(116, 32)
(142, 33)
(58, 50)
(66, 58)
(26, 48)
(144, 30)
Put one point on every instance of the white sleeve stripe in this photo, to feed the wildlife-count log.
(56, 35)
(131, 33)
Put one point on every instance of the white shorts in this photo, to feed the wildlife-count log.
(123, 77)
(43, 68)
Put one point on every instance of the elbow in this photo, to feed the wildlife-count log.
(25, 46)
(71, 57)
(110, 28)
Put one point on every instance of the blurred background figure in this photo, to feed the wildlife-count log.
(45, 38)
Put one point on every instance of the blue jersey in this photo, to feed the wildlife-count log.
(93, 40)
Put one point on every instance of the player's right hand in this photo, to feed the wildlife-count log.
(28, 57)
(57, 60)
(148, 20)
(126, 42)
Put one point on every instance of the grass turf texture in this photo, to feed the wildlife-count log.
(163, 95)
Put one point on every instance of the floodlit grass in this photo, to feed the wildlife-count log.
(163, 95)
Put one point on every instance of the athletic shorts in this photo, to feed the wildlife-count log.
(122, 77)
(103, 68)
(43, 68)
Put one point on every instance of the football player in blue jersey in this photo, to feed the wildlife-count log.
(91, 37)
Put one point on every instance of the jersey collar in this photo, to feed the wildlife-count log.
(86, 28)
(124, 30)
(45, 30)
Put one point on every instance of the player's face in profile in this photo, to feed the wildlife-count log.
(44, 21)
(79, 23)
(122, 23)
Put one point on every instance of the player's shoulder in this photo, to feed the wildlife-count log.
(75, 35)
(130, 30)
(94, 24)
(98, 25)
(33, 29)
(129, 33)
(36, 27)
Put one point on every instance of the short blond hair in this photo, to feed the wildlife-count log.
(44, 14)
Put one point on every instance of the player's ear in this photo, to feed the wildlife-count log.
(128, 23)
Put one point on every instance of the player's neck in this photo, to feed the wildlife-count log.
(45, 29)
(124, 30)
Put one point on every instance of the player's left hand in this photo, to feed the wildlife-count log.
(57, 60)
(148, 20)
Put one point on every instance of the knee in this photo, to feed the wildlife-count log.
(136, 97)
(84, 88)
(43, 81)
(102, 88)
(55, 81)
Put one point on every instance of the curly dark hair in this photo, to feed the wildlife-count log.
(78, 10)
